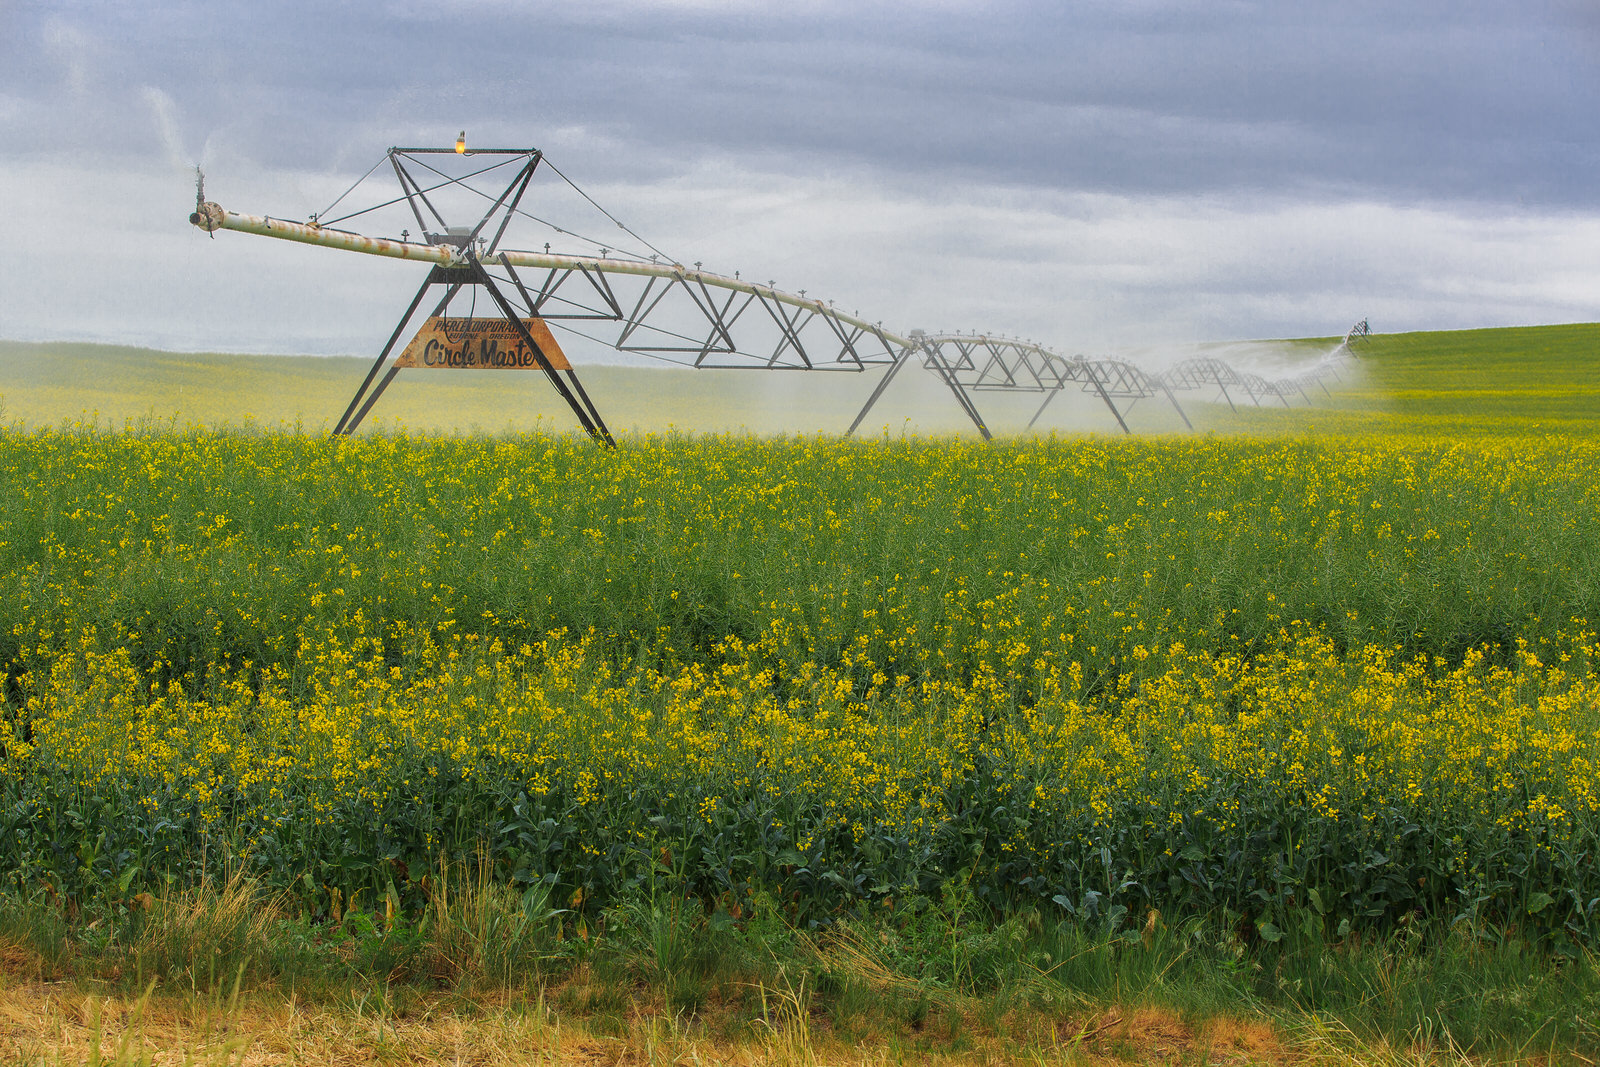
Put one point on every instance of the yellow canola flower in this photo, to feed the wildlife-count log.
(1302, 730)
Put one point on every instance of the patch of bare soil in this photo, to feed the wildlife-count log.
(1154, 1035)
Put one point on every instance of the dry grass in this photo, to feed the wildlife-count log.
(46, 1023)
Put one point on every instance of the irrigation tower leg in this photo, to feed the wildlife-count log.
(344, 426)
(1176, 408)
(1100, 388)
(588, 417)
(894, 368)
(943, 368)
(1052, 395)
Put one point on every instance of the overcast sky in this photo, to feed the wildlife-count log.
(1093, 175)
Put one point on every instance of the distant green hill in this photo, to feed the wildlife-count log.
(1516, 380)
(1522, 380)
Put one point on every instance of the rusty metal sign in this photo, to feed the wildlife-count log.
(451, 342)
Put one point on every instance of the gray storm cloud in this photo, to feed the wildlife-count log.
(1101, 174)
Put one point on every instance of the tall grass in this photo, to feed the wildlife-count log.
(928, 981)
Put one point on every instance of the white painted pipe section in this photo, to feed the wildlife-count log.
(212, 217)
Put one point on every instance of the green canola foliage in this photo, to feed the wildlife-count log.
(1348, 678)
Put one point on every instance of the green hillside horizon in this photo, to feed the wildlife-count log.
(1532, 379)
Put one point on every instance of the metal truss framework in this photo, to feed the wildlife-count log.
(466, 269)
(662, 309)
(981, 363)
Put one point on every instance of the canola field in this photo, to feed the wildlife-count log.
(1350, 677)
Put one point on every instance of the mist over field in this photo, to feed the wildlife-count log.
(1467, 382)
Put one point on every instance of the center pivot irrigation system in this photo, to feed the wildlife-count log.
(641, 301)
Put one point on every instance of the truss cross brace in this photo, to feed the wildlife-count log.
(935, 358)
(454, 279)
